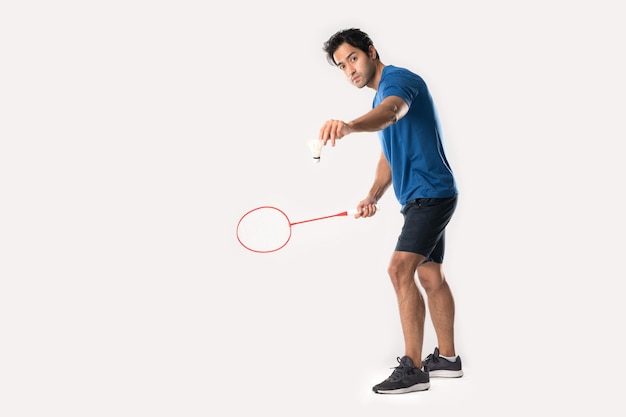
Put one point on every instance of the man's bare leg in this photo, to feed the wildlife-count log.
(440, 305)
(410, 302)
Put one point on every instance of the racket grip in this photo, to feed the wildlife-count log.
(354, 211)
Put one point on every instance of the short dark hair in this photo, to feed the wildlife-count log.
(353, 36)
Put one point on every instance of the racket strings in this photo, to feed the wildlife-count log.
(264, 229)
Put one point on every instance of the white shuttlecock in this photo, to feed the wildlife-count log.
(316, 146)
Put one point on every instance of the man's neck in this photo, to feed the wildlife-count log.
(377, 75)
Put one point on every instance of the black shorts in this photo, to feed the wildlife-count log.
(425, 221)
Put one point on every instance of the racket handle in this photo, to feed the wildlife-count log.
(354, 211)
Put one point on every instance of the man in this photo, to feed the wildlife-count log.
(413, 161)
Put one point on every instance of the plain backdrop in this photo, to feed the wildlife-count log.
(134, 134)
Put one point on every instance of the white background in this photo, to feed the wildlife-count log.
(134, 134)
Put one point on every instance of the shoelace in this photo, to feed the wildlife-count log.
(430, 358)
(400, 370)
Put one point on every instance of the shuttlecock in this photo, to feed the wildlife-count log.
(316, 145)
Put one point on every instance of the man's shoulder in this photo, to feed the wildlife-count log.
(393, 69)
(403, 75)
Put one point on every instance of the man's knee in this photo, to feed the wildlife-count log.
(430, 276)
(402, 268)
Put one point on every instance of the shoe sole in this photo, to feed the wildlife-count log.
(417, 387)
(443, 373)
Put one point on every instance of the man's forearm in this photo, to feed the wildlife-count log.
(385, 114)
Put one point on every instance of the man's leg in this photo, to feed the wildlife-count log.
(410, 302)
(440, 304)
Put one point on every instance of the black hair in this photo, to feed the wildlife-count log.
(353, 36)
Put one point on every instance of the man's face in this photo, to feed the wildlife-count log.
(358, 67)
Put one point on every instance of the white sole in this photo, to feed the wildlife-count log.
(417, 387)
(445, 374)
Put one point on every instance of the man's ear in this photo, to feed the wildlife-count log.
(372, 52)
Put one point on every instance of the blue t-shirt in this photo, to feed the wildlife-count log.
(414, 145)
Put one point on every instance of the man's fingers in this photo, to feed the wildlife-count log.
(331, 132)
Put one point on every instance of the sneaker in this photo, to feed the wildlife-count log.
(437, 366)
(405, 378)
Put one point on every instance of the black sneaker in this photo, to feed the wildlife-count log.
(437, 366)
(404, 378)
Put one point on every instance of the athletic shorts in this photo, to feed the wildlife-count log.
(425, 221)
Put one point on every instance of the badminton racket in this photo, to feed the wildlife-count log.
(268, 229)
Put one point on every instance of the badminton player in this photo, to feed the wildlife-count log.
(414, 163)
